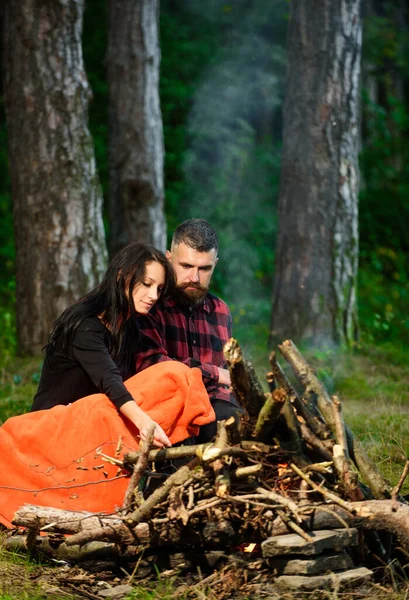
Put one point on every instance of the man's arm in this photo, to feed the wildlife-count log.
(153, 350)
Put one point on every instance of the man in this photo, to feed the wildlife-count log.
(193, 326)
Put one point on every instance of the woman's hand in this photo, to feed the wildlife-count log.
(160, 438)
(143, 422)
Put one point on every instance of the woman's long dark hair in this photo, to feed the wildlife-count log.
(112, 301)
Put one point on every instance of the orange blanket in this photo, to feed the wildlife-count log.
(52, 457)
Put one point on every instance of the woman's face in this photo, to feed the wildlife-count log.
(147, 292)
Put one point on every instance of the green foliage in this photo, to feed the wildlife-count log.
(384, 201)
(221, 86)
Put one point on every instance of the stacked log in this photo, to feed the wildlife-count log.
(291, 468)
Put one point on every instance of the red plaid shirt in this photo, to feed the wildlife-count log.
(193, 336)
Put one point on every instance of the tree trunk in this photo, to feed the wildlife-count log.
(317, 242)
(136, 196)
(57, 201)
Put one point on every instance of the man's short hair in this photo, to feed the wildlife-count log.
(197, 234)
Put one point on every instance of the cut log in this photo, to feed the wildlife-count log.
(59, 550)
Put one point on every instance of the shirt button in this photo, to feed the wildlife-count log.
(194, 341)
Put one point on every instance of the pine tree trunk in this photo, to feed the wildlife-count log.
(57, 201)
(317, 242)
(136, 196)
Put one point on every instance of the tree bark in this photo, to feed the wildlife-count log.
(317, 242)
(57, 200)
(136, 196)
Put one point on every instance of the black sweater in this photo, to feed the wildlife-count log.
(90, 370)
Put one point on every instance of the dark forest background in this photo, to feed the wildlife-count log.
(222, 87)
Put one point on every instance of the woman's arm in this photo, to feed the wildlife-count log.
(90, 350)
(143, 422)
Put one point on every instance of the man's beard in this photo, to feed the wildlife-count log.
(190, 297)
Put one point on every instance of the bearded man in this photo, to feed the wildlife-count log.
(193, 325)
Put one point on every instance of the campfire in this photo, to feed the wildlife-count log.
(288, 497)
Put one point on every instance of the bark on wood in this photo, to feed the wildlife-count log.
(59, 550)
(57, 199)
(308, 413)
(220, 469)
(269, 414)
(304, 373)
(312, 440)
(314, 296)
(139, 469)
(295, 443)
(244, 381)
(88, 526)
(58, 520)
(144, 511)
(136, 195)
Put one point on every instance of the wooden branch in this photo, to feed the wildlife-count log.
(320, 489)
(84, 526)
(304, 373)
(294, 432)
(342, 464)
(139, 469)
(280, 378)
(269, 414)
(244, 381)
(59, 550)
(220, 469)
(271, 381)
(58, 520)
(313, 422)
(312, 440)
(198, 450)
(396, 490)
(130, 522)
(348, 479)
(161, 493)
(249, 471)
(339, 429)
(279, 499)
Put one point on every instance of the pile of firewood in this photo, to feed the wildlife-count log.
(290, 481)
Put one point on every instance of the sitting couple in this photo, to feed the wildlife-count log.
(88, 379)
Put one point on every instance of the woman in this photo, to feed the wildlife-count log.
(67, 457)
(93, 344)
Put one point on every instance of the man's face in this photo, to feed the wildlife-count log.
(194, 271)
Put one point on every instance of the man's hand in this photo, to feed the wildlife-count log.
(224, 376)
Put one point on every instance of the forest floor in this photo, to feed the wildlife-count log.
(373, 384)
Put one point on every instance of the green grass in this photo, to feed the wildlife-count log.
(18, 384)
(22, 578)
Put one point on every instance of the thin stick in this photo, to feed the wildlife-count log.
(290, 504)
(161, 493)
(200, 450)
(340, 434)
(322, 490)
(296, 528)
(398, 486)
(139, 468)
